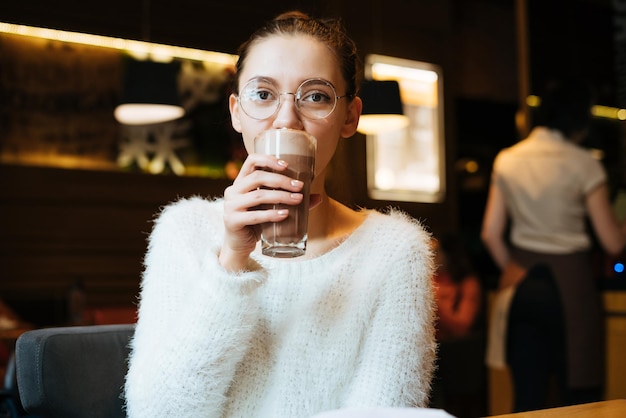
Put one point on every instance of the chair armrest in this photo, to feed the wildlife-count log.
(73, 371)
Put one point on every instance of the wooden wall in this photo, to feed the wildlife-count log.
(60, 226)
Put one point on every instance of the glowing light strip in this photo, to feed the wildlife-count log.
(600, 111)
(158, 52)
(390, 70)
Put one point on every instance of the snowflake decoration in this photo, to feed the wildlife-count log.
(153, 147)
(165, 146)
(135, 147)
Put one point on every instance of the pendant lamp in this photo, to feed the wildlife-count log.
(150, 93)
(382, 107)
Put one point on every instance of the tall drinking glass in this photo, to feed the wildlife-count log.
(288, 237)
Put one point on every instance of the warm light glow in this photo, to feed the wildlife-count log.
(147, 114)
(44, 158)
(385, 178)
(608, 112)
(417, 86)
(533, 101)
(156, 52)
(388, 71)
(596, 153)
(375, 124)
(599, 111)
(471, 166)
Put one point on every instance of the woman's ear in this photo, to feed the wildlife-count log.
(233, 105)
(352, 118)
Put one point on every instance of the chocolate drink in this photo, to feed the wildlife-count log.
(283, 236)
(288, 237)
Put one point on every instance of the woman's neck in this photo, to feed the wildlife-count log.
(330, 223)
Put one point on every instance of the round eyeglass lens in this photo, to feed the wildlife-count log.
(316, 99)
(259, 99)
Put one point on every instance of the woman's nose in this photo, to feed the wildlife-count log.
(287, 115)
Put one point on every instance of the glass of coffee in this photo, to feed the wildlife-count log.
(288, 237)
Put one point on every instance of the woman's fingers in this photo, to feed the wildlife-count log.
(512, 274)
(256, 162)
(258, 186)
(258, 194)
(267, 180)
(258, 206)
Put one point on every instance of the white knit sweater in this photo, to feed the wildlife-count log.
(350, 328)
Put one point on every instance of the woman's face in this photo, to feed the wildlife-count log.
(288, 61)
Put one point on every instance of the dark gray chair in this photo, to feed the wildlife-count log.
(73, 372)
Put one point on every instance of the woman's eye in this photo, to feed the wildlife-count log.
(263, 95)
(316, 97)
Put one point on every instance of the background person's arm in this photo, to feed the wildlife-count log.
(610, 233)
(494, 226)
(492, 235)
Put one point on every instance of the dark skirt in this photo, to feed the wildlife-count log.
(582, 311)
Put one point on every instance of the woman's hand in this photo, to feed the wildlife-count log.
(255, 185)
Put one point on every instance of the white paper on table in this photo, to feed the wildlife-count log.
(384, 413)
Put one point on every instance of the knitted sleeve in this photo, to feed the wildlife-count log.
(195, 319)
(398, 353)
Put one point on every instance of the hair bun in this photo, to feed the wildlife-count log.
(292, 15)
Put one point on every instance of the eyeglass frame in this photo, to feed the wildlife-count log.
(295, 97)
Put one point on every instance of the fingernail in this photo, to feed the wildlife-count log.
(282, 212)
(282, 163)
(296, 195)
(296, 183)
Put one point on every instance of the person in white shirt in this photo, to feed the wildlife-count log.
(547, 186)
(224, 331)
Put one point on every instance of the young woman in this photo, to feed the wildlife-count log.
(224, 331)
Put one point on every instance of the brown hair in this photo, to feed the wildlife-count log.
(328, 31)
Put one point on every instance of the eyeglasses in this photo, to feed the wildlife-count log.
(315, 98)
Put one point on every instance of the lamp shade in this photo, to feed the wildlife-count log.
(382, 107)
(150, 93)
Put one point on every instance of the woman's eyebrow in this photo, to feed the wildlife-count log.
(263, 78)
